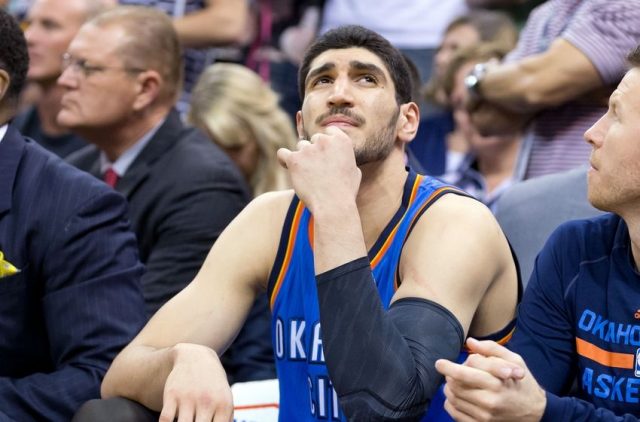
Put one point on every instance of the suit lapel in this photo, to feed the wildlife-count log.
(165, 137)
(11, 150)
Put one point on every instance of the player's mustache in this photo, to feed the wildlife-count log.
(343, 111)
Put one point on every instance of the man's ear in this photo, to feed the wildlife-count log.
(5, 81)
(408, 122)
(299, 125)
(149, 85)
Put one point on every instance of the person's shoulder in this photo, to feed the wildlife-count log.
(455, 218)
(195, 152)
(552, 185)
(459, 208)
(52, 180)
(84, 158)
(597, 231)
(272, 205)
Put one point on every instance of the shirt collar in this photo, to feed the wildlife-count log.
(122, 164)
(3, 131)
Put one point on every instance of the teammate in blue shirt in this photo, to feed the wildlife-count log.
(373, 271)
(579, 319)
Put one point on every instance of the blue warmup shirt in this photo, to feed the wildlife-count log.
(580, 316)
(306, 392)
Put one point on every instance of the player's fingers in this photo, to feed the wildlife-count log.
(497, 367)
(491, 348)
(457, 414)
(204, 415)
(223, 415)
(169, 407)
(465, 377)
(185, 412)
(283, 155)
(302, 143)
(335, 131)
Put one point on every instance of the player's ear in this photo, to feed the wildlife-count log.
(408, 121)
(299, 125)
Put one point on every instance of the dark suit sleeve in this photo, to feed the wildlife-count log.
(91, 303)
(191, 222)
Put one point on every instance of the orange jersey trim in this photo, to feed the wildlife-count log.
(501, 341)
(506, 338)
(604, 357)
(414, 190)
(257, 406)
(287, 257)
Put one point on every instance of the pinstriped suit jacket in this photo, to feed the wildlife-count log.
(76, 300)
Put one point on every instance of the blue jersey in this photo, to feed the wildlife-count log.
(306, 392)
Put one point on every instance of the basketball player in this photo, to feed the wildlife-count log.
(373, 271)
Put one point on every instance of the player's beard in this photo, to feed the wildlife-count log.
(378, 146)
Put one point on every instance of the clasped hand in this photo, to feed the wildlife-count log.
(323, 169)
(493, 384)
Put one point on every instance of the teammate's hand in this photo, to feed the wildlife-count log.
(494, 384)
(323, 169)
(197, 387)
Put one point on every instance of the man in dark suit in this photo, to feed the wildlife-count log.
(122, 78)
(69, 272)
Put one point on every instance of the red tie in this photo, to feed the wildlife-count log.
(110, 177)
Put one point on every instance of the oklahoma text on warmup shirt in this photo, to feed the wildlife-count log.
(306, 392)
(580, 319)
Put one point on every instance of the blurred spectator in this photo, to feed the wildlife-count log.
(437, 146)
(202, 24)
(119, 94)
(415, 27)
(17, 8)
(518, 10)
(241, 115)
(69, 269)
(52, 24)
(530, 211)
(569, 55)
(488, 168)
(285, 29)
(182, 190)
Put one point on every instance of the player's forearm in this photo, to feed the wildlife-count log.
(338, 235)
(381, 363)
(139, 373)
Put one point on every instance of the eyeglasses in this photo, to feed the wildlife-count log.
(81, 66)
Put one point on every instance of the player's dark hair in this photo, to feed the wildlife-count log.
(354, 36)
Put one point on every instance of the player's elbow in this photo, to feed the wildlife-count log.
(367, 406)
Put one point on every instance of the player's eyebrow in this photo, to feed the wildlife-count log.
(370, 68)
(319, 70)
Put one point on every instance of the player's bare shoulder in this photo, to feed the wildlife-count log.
(460, 218)
(460, 230)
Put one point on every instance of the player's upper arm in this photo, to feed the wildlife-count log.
(454, 254)
(212, 308)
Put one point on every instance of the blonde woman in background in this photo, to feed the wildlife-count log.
(240, 113)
